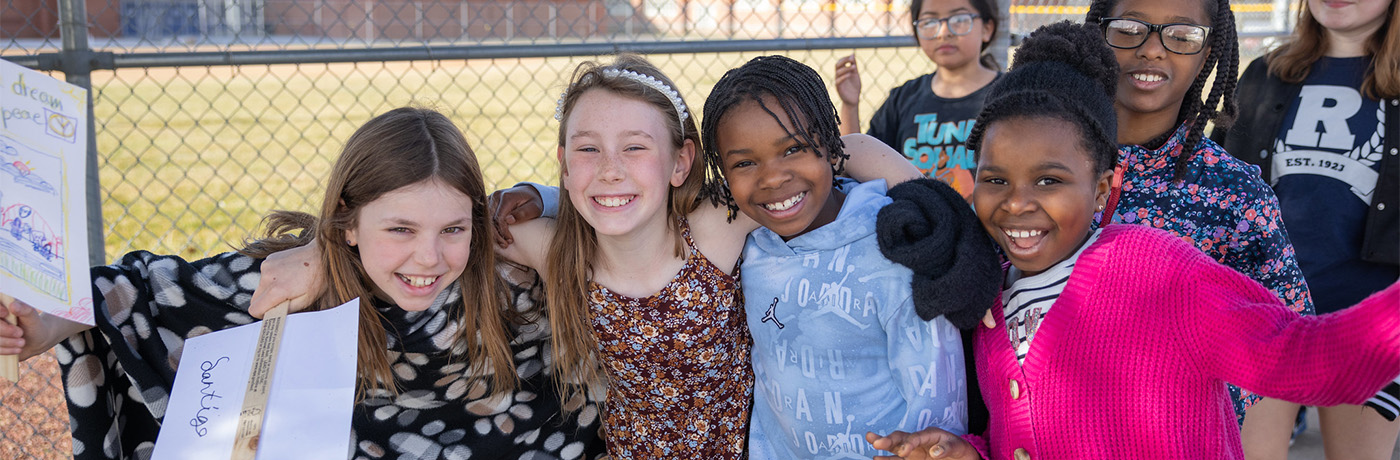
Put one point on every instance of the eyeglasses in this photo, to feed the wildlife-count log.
(1179, 38)
(958, 25)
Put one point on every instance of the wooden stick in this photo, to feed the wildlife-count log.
(9, 364)
(250, 419)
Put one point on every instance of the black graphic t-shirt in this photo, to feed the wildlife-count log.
(930, 131)
(1325, 164)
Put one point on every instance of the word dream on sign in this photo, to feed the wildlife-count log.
(43, 208)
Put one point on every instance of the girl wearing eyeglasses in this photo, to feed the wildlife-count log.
(1320, 117)
(1170, 176)
(928, 118)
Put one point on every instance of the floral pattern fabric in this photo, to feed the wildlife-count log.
(118, 375)
(677, 362)
(1222, 207)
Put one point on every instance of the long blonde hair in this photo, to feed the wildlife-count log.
(402, 147)
(575, 244)
(1292, 61)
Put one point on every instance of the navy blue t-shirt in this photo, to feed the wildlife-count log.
(1325, 164)
(930, 130)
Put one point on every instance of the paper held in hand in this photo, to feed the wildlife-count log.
(310, 398)
(43, 205)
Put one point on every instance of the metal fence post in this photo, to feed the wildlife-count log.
(77, 64)
(1002, 40)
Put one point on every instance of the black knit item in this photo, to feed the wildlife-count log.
(930, 229)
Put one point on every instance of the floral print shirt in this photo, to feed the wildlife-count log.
(118, 375)
(677, 362)
(1222, 207)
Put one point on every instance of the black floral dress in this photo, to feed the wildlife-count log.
(118, 375)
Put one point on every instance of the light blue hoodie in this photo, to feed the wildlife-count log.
(837, 347)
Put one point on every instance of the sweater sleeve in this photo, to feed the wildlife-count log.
(145, 307)
(980, 444)
(1242, 334)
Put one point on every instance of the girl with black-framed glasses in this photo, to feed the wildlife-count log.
(1169, 175)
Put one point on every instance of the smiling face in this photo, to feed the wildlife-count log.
(619, 163)
(775, 178)
(413, 242)
(1348, 17)
(1036, 192)
(1152, 80)
(952, 51)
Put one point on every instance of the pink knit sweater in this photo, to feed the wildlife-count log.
(1132, 359)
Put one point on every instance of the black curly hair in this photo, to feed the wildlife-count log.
(801, 95)
(1223, 59)
(1064, 71)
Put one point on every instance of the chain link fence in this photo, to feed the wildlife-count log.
(208, 114)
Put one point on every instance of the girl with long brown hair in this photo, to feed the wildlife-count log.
(450, 357)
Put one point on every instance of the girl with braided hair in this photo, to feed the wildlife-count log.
(1171, 177)
(835, 327)
(1320, 116)
(1117, 341)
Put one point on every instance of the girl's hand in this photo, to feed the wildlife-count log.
(848, 80)
(294, 274)
(33, 332)
(929, 443)
(511, 206)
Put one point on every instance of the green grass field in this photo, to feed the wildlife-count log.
(192, 158)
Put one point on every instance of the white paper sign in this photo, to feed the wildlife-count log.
(309, 405)
(43, 210)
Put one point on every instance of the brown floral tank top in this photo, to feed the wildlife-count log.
(678, 367)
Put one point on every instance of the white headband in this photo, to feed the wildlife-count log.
(648, 80)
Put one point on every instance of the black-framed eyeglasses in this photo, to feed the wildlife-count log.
(958, 25)
(1179, 38)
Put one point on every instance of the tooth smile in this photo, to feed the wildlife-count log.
(1023, 233)
(418, 281)
(612, 201)
(785, 204)
(1147, 77)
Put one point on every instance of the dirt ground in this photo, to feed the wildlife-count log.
(33, 417)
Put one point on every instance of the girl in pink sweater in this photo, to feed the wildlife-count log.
(1117, 342)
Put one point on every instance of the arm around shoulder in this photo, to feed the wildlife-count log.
(718, 237)
(531, 247)
(871, 159)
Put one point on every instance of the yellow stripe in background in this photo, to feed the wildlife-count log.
(1049, 9)
(1079, 10)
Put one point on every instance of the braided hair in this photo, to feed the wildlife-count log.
(1063, 71)
(802, 96)
(1223, 59)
